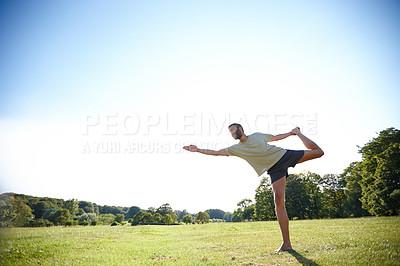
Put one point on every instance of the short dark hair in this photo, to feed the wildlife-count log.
(236, 125)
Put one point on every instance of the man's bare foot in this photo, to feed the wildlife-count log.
(284, 247)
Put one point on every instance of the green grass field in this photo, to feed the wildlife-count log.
(316, 242)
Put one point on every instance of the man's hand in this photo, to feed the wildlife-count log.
(295, 131)
(191, 148)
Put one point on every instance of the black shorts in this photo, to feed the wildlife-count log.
(280, 169)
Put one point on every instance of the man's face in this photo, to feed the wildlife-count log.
(235, 132)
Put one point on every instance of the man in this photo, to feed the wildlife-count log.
(264, 157)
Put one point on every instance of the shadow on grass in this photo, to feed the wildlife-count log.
(301, 259)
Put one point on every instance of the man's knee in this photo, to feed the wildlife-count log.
(320, 153)
(279, 200)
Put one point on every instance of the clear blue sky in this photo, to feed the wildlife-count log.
(266, 62)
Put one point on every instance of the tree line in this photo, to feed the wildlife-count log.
(368, 187)
(18, 210)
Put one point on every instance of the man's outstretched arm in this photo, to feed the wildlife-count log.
(284, 135)
(193, 148)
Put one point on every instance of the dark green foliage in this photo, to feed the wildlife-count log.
(228, 217)
(202, 217)
(47, 213)
(71, 223)
(86, 206)
(304, 198)
(216, 213)
(60, 217)
(168, 219)
(237, 215)
(23, 212)
(154, 216)
(187, 219)
(132, 211)
(88, 217)
(7, 213)
(181, 214)
(106, 219)
(165, 209)
(334, 197)
(39, 223)
(245, 212)
(371, 186)
(40, 207)
(120, 218)
(353, 192)
(264, 206)
(84, 223)
(298, 200)
(249, 213)
(72, 205)
(110, 209)
(380, 173)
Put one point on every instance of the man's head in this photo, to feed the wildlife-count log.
(236, 130)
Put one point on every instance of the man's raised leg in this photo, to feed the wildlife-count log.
(313, 152)
(278, 188)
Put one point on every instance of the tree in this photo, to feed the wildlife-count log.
(187, 219)
(304, 199)
(142, 218)
(120, 218)
(151, 210)
(157, 218)
(165, 209)
(147, 218)
(86, 206)
(380, 172)
(110, 209)
(216, 213)
(181, 214)
(7, 213)
(353, 190)
(334, 197)
(47, 213)
(72, 205)
(312, 182)
(245, 212)
(248, 213)
(244, 203)
(168, 219)
(228, 217)
(106, 219)
(298, 201)
(23, 212)
(202, 217)
(264, 206)
(132, 211)
(88, 217)
(237, 215)
(59, 217)
(39, 208)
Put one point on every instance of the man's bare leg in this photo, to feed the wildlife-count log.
(313, 152)
(278, 188)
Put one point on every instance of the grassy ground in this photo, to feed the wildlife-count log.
(315, 242)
